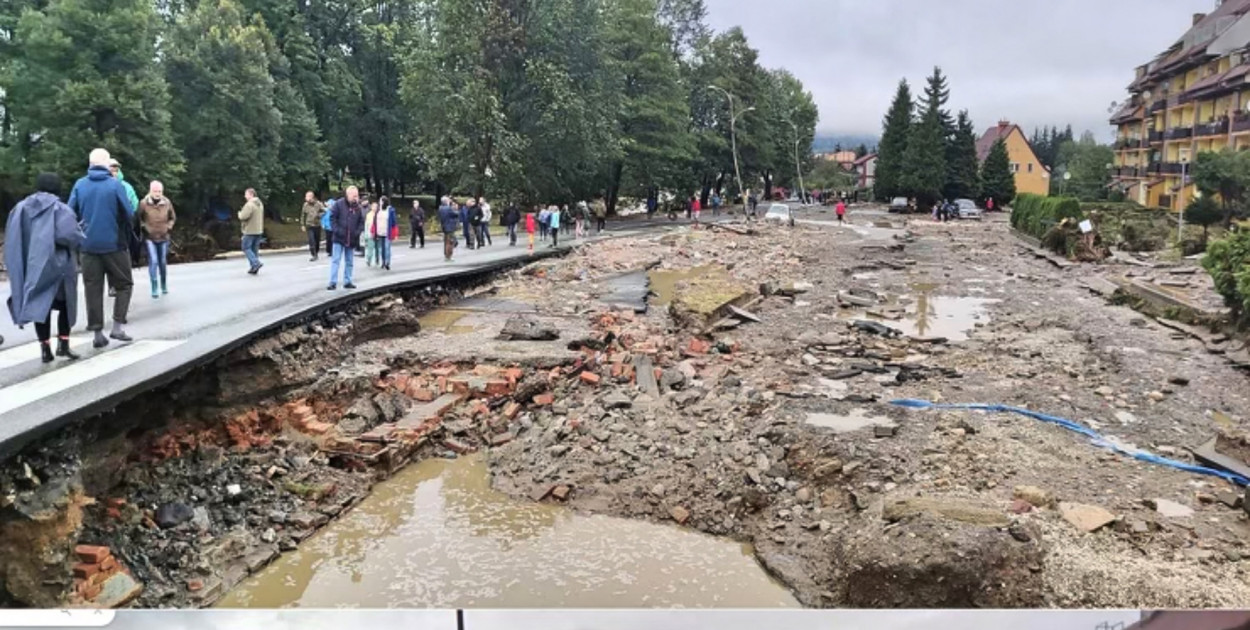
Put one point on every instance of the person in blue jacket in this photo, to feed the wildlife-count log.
(104, 210)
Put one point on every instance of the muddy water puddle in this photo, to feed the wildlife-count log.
(856, 420)
(664, 282)
(446, 321)
(437, 535)
(924, 314)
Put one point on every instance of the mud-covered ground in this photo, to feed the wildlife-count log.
(778, 432)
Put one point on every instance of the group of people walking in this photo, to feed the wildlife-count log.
(45, 240)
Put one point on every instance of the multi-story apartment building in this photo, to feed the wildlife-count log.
(1193, 97)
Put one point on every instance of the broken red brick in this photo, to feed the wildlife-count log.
(116, 503)
(424, 395)
(441, 385)
(513, 373)
(113, 513)
(679, 514)
(1020, 506)
(698, 346)
(109, 564)
(401, 381)
(502, 438)
(91, 591)
(458, 447)
(444, 371)
(590, 378)
(85, 571)
(459, 384)
(301, 411)
(92, 554)
(195, 585)
(618, 370)
(480, 409)
(560, 493)
(544, 399)
(511, 410)
(498, 387)
(485, 370)
(318, 428)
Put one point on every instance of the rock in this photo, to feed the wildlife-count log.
(1169, 509)
(679, 514)
(277, 517)
(269, 536)
(234, 490)
(791, 289)
(804, 495)
(1034, 496)
(528, 328)
(1156, 396)
(884, 431)
(810, 360)
(657, 490)
(947, 508)
(201, 520)
(1229, 498)
(172, 515)
(1181, 381)
(617, 400)
(1087, 518)
(672, 379)
(1138, 526)
(1104, 391)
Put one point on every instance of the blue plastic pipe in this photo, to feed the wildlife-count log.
(1075, 427)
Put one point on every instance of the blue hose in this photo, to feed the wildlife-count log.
(1097, 439)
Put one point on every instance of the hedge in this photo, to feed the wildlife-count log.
(1034, 215)
(1228, 262)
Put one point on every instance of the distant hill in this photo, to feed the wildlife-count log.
(825, 143)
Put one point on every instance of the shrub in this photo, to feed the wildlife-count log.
(1228, 262)
(1035, 215)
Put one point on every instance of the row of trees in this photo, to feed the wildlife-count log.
(927, 154)
(549, 100)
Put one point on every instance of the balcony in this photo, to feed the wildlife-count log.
(1128, 144)
(1216, 127)
(1180, 133)
(1171, 168)
(1156, 106)
(1155, 136)
(1127, 171)
(1241, 122)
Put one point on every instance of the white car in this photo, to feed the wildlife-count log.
(968, 209)
(777, 212)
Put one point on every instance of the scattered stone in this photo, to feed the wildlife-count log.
(803, 495)
(560, 493)
(1180, 381)
(1034, 496)
(528, 328)
(1087, 518)
(884, 431)
(172, 515)
(1105, 391)
(1169, 509)
(201, 520)
(948, 508)
(1156, 396)
(617, 400)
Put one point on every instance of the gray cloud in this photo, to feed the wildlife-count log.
(1035, 62)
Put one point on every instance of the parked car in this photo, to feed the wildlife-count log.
(968, 209)
(778, 212)
(900, 204)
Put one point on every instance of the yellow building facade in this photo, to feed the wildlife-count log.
(1192, 98)
(1030, 174)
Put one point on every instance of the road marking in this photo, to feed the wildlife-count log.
(18, 355)
(75, 374)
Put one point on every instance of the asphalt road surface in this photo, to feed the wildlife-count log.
(211, 306)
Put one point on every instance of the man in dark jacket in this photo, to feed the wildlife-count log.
(466, 221)
(103, 208)
(511, 217)
(416, 221)
(448, 221)
(347, 223)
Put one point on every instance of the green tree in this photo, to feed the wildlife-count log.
(997, 181)
(1225, 173)
(686, 22)
(1087, 161)
(861, 150)
(963, 179)
(653, 116)
(229, 127)
(1204, 211)
(936, 94)
(891, 153)
(84, 74)
(924, 162)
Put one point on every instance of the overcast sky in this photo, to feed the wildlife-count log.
(1035, 62)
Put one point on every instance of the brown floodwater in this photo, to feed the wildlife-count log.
(929, 315)
(436, 535)
(446, 321)
(664, 281)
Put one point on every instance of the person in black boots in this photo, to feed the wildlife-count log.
(416, 221)
(41, 242)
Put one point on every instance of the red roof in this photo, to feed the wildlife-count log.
(993, 135)
(865, 159)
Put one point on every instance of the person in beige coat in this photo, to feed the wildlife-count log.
(157, 217)
(252, 216)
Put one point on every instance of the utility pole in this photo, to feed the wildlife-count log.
(1180, 197)
(798, 168)
(733, 139)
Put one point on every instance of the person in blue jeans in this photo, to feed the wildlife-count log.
(157, 217)
(252, 216)
(347, 223)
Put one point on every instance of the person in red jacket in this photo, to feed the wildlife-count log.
(841, 210)
(529, 228)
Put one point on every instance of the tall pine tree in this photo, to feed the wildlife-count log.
(936, 93)
(963, 179)
(891, 153)
(997, 181)
(924, 163)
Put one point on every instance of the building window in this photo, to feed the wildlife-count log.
(1015, 168)
(1030, 167)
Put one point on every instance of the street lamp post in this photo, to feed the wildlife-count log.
(733, 139)
(798, 168)
(1180, 198)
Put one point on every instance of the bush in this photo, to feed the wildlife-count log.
(1228, 262)
(1035, 215)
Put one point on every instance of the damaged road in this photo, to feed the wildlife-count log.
(747, 398)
